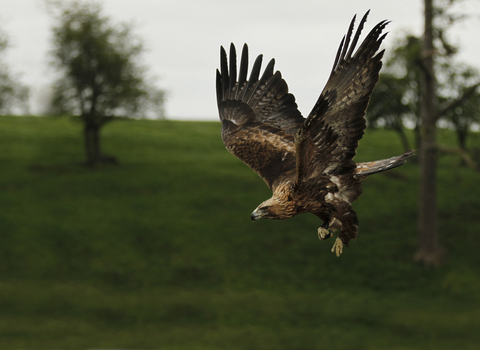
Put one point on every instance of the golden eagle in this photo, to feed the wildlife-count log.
(307, 163)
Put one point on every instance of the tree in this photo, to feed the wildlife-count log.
(429, 250)
(422, 83)
(100, 77)
(13, 95)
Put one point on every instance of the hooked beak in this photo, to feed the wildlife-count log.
(257, 214)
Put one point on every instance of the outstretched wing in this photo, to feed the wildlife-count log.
(327, 142)
(259, 117)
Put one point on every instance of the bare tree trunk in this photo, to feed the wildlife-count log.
(92, 139)
(462, 133)
(429, 251)
(403, 138)
(92, 144)
(418, 139)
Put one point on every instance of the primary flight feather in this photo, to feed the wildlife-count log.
(307, 163)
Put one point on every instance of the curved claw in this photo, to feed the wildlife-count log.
(324, 233)
(337, 247)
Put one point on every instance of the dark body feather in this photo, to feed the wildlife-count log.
(307, 162)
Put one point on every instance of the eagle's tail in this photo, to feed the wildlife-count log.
(365, 169)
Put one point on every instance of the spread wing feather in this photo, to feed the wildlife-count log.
(340, 109)
(259, 117)
(368, 168)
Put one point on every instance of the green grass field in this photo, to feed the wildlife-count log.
(159, 252)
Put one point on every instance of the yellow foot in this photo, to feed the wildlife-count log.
(337, 247)
(324, 233)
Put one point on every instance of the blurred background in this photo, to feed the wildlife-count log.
(182, 40)
(125, 224)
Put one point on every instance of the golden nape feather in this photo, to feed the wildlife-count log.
(308, 163)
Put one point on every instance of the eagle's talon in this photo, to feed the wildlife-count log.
(324, 233)
(337, 247)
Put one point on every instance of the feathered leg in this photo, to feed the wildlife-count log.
(343, 219)
(349, 228)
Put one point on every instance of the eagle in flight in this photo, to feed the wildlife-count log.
(307, 163)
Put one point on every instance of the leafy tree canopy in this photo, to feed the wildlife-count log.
(13, 95)
(396, 99)
(99, 61)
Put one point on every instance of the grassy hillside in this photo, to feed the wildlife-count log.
(159, 252)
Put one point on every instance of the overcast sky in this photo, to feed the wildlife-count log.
(183, 40)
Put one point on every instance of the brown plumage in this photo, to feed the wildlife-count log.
(307, 163)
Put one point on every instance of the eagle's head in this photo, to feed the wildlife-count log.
(272, 208)
(262, 213)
